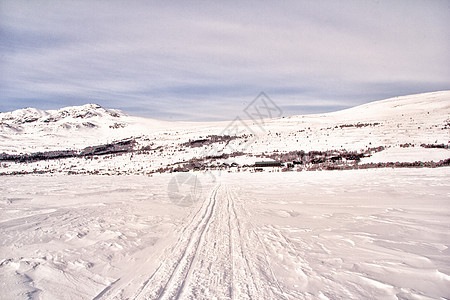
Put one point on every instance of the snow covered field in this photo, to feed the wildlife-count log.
(365, 234)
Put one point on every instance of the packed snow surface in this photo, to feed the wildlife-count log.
(359, 234)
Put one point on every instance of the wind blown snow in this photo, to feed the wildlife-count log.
(380, 233)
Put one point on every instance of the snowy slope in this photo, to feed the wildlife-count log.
(413, 120)
(409, 119)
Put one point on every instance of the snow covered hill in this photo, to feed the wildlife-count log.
(30, 129)
(402, 129)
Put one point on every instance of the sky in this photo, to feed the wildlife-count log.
(207, 60)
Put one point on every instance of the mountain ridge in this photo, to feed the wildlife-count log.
(71, 117)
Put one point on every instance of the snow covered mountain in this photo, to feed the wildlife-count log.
(31, 129)
(76, 117)
(402, 129)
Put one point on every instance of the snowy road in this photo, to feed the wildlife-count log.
(315, 235)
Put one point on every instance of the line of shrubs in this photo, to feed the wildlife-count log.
(111, 148)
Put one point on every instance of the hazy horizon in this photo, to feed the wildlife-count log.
(239, 114)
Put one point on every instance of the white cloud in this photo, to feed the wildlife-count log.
(132, 54)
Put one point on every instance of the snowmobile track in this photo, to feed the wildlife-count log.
(171, 287)
(218, 255)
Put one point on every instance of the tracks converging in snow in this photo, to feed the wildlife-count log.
(254, 236)
(215, 257)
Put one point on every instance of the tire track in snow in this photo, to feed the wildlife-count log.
(218, 256)
(244, 286)
(210, 274)
(168, 280)
(222, 267)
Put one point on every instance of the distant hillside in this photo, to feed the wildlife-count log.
(408, 129)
